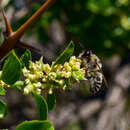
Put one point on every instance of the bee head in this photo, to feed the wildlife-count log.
(86, 54)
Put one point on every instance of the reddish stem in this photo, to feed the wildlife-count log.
(8, 27)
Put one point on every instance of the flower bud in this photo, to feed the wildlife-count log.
(38, 75)
(46, 68)
(76, 66)
(25, 71)
(28, 88)
(50, 91)
(38, 91)
(0, 74)
(26, 91)
(40, 64)
(72, 60)
(67, 66)
(31, 77)
(58, 67)
(52, 75)
(44, 79)
(27, 81)
(60, 82)
(65, 74)
(37, 85)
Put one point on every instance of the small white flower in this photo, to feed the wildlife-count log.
(38, 91)
(44, 79)
(61, 82)
(26, 91)
(50, 91)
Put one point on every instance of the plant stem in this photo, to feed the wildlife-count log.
(14, 37)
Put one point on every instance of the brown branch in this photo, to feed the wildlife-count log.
(14, 37)
(25, 45)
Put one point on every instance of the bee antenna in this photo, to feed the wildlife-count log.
(81, 45)
(90, 51)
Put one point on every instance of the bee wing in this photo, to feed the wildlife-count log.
(104, 78)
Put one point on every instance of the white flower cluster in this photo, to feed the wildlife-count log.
(42, 76)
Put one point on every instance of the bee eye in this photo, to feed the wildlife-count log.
(86, 54)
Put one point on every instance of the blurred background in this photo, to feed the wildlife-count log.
(102, 26)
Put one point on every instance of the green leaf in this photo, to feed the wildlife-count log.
(42, 106)
(18, 85)
(51, 101)
(65, 55)
(2, 91)
(11, 70)
(77, 75)
(25, 58)
(35, 125)
(3, 109)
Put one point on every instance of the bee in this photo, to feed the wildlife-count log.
(94, 73)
